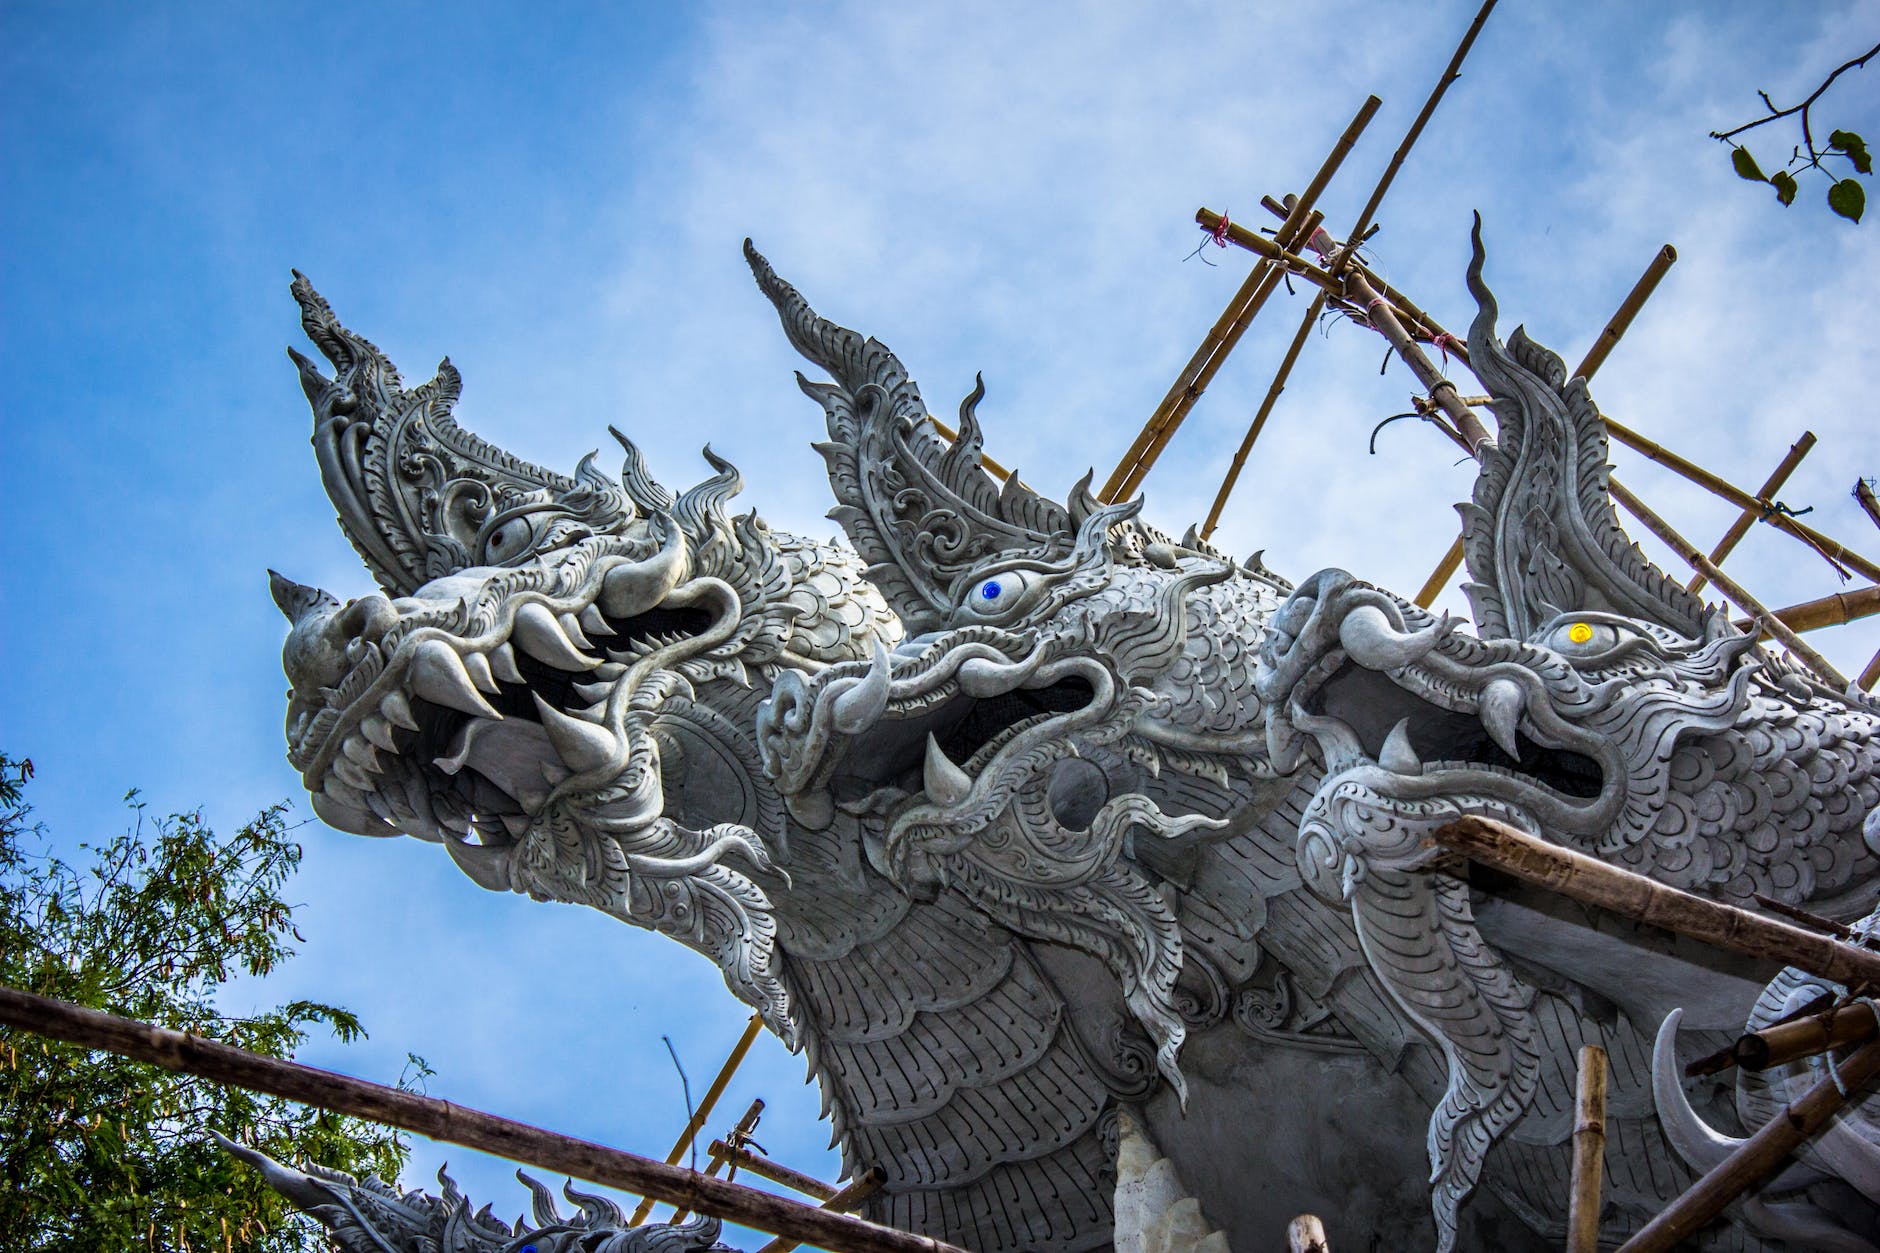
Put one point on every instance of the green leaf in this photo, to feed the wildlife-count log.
(1746, 166)
(1847, 199)
(1855, 147)
(1784, 185)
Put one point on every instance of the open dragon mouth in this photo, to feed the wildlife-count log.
(1426, 709)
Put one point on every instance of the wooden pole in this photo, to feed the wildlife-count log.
(860, 1189)
(952, 436)
(1259, 419)
(1635, 299)
(1805, 1037)
(1473, 435)
(1451, 73)
(776, 1172)
(1869, 503)
(1440, 576)
(1832, 549)
(1869, 675)
(1223, 336)
(1757, 1157)
(1764, 620)
(1746, 519)
(455, 1124)
(705, 1105)
(1589, 1148)
(714, 1160)
(1594, 882)
(1836, 609)
(1306, 1234)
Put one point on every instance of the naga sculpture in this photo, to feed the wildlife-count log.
(1019, 813)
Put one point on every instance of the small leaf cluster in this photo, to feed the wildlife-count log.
(103, 1153)
(1845, 195)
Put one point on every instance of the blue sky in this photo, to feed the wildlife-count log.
(554, 196)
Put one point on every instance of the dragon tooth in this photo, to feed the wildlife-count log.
(438, 675)
(361, 753)
(571, 627)
(595, 621)
(381, 807)
(487, 867)
(478, 668)
(633, 587)
(581, 745)
(503, 663)
(860, 704)
(609, 671)
(379, 731)
(397, 711)
(942, 780)
(594, 693)
(350, 774)
(1397, 755)
(516, 824)
(1500, 707)
(538, 634)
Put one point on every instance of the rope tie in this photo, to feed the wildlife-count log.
(1219, 231)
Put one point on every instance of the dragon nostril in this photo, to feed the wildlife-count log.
(1077, 790)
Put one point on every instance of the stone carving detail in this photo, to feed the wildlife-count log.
(996, 811)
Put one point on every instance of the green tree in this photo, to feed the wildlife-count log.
(101, 1153)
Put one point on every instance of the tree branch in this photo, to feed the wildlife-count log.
(1776, 114)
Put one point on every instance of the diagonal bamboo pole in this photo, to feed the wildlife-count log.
(1589, 1148)
(1746, 519)
(715, 1160)
(1870, 675)
(1869, 503)
(1757, 1157)
(706, 1103)
(776, 1172)
(1266, 408)
(1634, 896)
(455, 1124)
(1835, 609)
(859, 1189)
(1223, 336)
(1621, 320)
(1764, 620)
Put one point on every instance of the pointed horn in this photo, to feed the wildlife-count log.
(1695, 1140)
(295, 600)
(863, 702)
(302, 1189)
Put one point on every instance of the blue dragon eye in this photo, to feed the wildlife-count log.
(990, 589)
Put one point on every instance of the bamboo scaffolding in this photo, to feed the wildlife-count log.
(1734, 591)
(1469, 431)
(1746, 519)
(1589, 1149)
(1869, 675)
(1869, 503)
(1836, 609)
(1440, 576)
(1259, 418)
(1634, 896)
(706, 1104)
(1223, 336)
(1803, 1037)
(1306, 1234)
(1621, 320)
(952, 436)
(776, 1172)
(864, 1186)
(715, 1161)
(1758, 1157)
(1794, 913)
(455, 1124)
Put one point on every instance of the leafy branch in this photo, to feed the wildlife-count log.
(1845, 195)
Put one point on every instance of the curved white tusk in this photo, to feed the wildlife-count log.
(1695, 1140)
(857, 707)
(1369, 639)
(1500, 707)
(487, 867)
(943, 781)
(631, 588)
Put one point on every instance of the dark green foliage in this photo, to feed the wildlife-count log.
(100, 1153)
(1846, 197)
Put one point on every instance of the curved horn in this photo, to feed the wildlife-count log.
(861, 703)
(1695, 1140)
(632, 588)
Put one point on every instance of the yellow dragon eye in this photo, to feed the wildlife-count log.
(1579, 633)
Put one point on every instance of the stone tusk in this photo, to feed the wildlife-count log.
(538, 634)
(1369, 639)
(944, 782)
(397, 710)
(861, 704)
(581, 745)
(487, 867)
(437, 674)
(631, 588)
(478, 668)
(503, 663)
(1397, 755)
(1500, 708)
(1691, 1137)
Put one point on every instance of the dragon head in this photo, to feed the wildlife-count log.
(1598, 703)
(558, 680)
(1073, 711)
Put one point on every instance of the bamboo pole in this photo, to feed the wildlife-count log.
(776, 1172)
(1589, 1148)
(1634, 896)
(1608, 339)
(1836, 609)
(714, 1160)
(1222, 337)
(1259, 418)
(705, 1105)
(1805, 1037)
(1440, 576)
(1833, 549)
(1763, 619)
(1869, 675)
(860, 1189)
(1794, 913)
(1306, 1234)
(1472, 435)
(1758, 1157)
(1863, 495)
(1451, 73)
(1746, 519)
(454, 1124)
(952, 436)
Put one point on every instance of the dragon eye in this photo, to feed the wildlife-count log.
(997, 593)
(991, 589)
(1577, 638)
